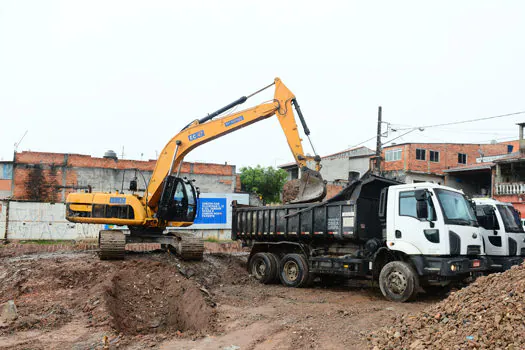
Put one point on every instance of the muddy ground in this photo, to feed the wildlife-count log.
(71, 300)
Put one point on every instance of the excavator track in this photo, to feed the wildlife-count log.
(189, 247)
(112, 245)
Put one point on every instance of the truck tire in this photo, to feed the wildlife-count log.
(276, 262)
(293, 271)
(263, 267)
(398, 281)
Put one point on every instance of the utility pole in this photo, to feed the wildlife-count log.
(378, 144)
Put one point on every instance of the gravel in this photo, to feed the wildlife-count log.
(488, 314)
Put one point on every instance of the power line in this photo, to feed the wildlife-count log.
(360, 143)
(468, 121)
(438, 125)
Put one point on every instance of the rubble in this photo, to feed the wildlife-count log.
(488, 314)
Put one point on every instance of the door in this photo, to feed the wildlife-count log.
(427, 236)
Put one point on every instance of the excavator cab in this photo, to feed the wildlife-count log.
(178, 201)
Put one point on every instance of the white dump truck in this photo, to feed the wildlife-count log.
(402, 235)
(502, 232)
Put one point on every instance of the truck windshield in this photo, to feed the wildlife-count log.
(510, 218)
(456, 208)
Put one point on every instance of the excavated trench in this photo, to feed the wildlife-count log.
(157, 301)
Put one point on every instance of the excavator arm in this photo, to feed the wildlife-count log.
(206, 129)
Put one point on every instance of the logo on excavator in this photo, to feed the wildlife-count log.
(196, 135)
(117, 200)
(234, 121)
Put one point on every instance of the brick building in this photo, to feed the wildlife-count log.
(418, 162)
(49, 177)
(500, 176)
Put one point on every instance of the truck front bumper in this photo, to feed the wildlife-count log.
(449, 267)
(502, 263)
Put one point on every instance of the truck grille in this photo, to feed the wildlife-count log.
(522, 251)
(513, 247)
(473, 250)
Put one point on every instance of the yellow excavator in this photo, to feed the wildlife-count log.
(171, 201)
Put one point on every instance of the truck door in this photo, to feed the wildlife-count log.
(423, 235)
(493, 237)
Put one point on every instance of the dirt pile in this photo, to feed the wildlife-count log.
(291, 190)
(488, 314)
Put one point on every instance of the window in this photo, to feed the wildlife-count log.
(434, 156)
(421, 154)
(462, 158)
(393, 155)
(456, 208)
(407, 205)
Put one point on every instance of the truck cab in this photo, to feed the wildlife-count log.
(502, 233)
(435, 228)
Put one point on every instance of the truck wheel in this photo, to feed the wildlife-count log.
(293, 271)
(275, 259)
(398, 281)
(263, 267)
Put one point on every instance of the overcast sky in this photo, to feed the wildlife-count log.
(85, 77)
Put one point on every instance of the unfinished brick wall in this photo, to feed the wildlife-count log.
(448, 156)
(49, 177)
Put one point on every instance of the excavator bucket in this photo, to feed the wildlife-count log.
(309, 188)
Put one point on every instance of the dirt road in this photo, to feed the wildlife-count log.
(73, 300)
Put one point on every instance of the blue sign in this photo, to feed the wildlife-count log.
(117, 200)
(196, 135)
(234, 121)
(211, 211)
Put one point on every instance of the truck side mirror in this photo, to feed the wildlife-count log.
(421, 195)
(422, 209)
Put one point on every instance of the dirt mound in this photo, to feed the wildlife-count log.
(147, 298)
(488, 314)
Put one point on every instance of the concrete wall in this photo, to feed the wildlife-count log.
(46, 221)
(338, 168)
(42, 221)
(3, 212)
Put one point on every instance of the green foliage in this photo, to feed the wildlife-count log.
(266, 182)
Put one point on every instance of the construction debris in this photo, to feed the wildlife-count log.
(488, 314)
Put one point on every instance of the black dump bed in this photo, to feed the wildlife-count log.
(350, 215)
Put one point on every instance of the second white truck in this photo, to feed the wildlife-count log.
(502, 232)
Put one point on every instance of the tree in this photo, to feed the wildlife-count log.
(266, 182)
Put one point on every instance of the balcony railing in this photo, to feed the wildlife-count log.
(510, 188)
